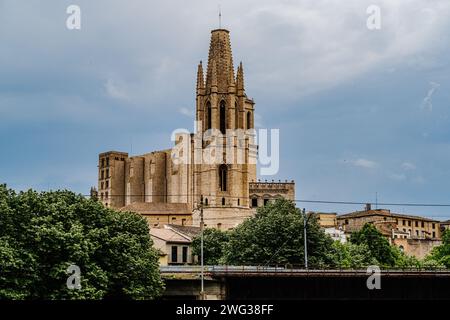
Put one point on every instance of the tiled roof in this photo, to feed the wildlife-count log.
(382, 212)
(189, 231)
(168, 235)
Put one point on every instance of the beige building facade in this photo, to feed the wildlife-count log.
(216, 163)
(174, 244)
(413, 234)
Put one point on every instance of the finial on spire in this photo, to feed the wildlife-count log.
(220, 17)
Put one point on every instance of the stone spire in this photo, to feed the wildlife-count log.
(220, 58)
(200, 78)
(240, 80)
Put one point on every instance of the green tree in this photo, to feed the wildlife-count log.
(42, 234)
(214, 242)
(440, 255)
(275, 236)
(378, 245)
(350, 255)
(402, 260)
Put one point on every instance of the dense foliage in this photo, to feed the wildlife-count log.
(440, 256)
(214, 246)
(349, 255)
(275, 236)
(378, 245)
(42, 234)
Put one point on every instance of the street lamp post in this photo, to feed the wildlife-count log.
(202, 277)
(305, 239)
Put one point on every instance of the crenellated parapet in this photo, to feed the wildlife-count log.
(262, 192)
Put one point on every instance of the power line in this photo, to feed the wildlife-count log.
(295, 200)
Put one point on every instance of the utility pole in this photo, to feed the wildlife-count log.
(202, 278)
(304, 238)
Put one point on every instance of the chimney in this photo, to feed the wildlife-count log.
(368, 207)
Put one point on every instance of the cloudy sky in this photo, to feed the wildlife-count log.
(360, 111)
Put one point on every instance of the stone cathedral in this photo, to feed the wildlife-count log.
(215, 166)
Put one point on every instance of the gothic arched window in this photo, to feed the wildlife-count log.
(223, 172)
(236, 113)
(222, 117)
(249, 120)
(208, 116)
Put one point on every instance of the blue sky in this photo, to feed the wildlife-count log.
(359, 111)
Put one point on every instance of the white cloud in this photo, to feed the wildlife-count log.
(115, 91)
(408, 166)
(427, 101)
(329, 41)
(189, 112)
(364, 163)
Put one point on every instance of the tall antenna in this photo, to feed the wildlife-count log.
(220, 17)
(376, 200)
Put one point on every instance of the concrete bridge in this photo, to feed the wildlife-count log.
(257, 282)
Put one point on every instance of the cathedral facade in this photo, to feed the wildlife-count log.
(213, 168)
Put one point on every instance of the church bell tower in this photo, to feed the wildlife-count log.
(223, 109)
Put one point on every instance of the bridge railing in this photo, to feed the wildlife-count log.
(288, 269)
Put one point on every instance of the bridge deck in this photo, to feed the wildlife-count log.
(191, 272)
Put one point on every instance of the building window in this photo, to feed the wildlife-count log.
(434, 226)
(106, 195)
(208, 116)
(206, 201)
(174, 254)
(417, 223)
(101, 195)
(417, 232)
(102, 175)
(254, 202)
(103, 163)
(266, 201)
(107, 184)
(107, 162)
(107, 173)
(185, 254)
(346, 221)
(102, 185)
(223, 201)
(239, 202)
(183, 222)
(222, 117)
(219, 226)
(404, 222)
(236, 113)
(223, 177)
(409, 223)
(249, 120)
(434, 234)
(174, 219)
(423, 224)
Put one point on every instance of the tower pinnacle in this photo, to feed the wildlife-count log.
(220, 58)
